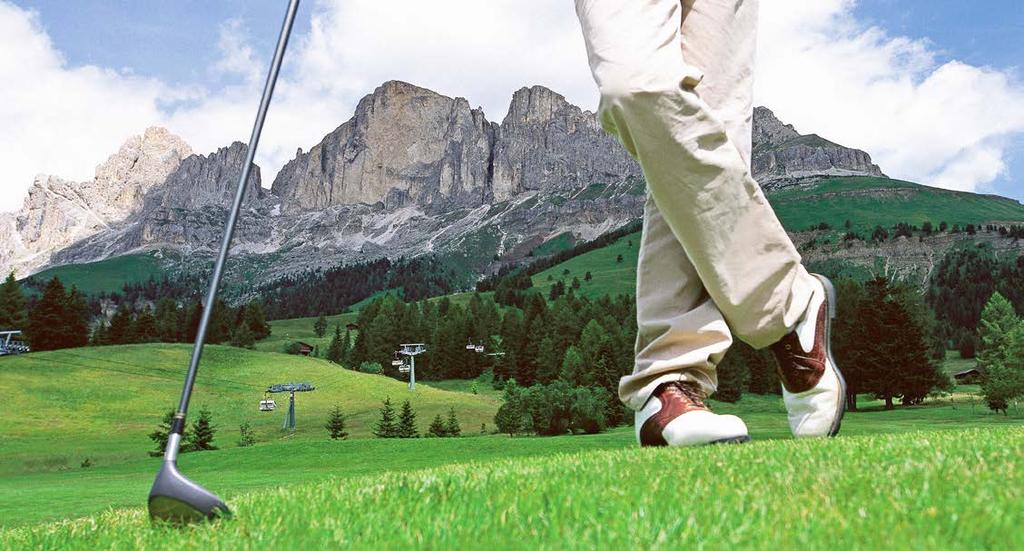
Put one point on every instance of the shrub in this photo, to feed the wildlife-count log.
(246, 436)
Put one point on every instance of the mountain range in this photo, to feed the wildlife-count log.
(412, 172)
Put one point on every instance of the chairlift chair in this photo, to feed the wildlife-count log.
(479, 348)
(470, 346)
(267, 404)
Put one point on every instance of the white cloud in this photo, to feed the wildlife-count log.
(947, 124)
(944, 124)
(59, 119)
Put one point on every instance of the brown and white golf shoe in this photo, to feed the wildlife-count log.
(676, 415)
(812, 386)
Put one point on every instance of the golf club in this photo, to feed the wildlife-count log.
(173, 497)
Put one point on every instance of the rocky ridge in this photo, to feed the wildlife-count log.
(411, 172)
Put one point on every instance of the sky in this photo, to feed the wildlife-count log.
(933, 90)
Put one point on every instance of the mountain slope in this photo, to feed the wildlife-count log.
(865, 201)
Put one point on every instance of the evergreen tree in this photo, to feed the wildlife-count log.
(346, 348)
(574, 370)
(336, 424)
(122, 330)
(145, 327)
(452, 424)
(1001, 353)
(386, 426)
(99, 335)
(510, 416)
(242, 337)
(589, 409)
(161, 434)
(256, 320)
(46, 329)
(407, 422)
(13, 313)
(168, 320)
(335, 352)
(76, 320)
(320, 327)
(437, 428)
(200, 438)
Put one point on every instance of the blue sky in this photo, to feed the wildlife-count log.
(165, 62)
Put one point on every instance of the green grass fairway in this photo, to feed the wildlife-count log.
(100, 403)
(107, 276)
(959, 489)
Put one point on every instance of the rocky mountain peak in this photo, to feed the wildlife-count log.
(535, 104)
(783, 156)
(769, 130)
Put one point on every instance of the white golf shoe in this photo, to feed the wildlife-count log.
(675, 415)
(812, 386)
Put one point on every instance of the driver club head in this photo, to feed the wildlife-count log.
(178, 500)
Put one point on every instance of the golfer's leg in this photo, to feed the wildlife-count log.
(681, 335)
(698, 178)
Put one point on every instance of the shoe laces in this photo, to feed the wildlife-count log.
(691, 392)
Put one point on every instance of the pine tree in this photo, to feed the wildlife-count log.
(242, 337)
(76, 320)
(386, 427)
(437, 428)
(336, 424)
(256, 320)
(46, 329)
(122, 330)
(335, 352)
(320, 327)
(13, 313)
(167, 320)
(452, 427)
(145, 327)
(161, 434)
(1001, 354)
(407, 422)
(201, 436)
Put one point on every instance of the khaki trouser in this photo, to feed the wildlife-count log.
(676, 83)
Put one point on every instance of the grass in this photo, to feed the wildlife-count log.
(925, 490)
(869, 201)
(102, 402)
(862, 200)
(107, 276)
(36, 495)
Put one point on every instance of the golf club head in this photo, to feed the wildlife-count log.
(178, 500)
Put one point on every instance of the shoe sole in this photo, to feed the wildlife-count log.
(733, 440)
(830, 292)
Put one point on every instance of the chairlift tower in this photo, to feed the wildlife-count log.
(411, 350)
(291, 389)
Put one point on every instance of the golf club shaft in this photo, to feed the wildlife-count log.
(178, 425)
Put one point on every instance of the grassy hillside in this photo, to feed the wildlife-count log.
(866, 202)
(925, 490)
(102, 402)
(107, 275)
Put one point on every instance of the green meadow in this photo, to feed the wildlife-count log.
(100, 403)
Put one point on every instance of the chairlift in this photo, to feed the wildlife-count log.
(479, 348)
(396, 363)
(403, 369)
(470, 345)
(267, 404)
